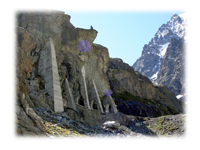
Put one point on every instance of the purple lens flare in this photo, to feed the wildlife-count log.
(108, 92)
(84, 46)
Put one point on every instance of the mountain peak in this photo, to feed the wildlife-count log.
(154, 52)
(174, 14)
(176, 18)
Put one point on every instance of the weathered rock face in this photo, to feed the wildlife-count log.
(59, 68)
(70, 60)
(123, 80)
(51, 50)
(132, 84)
(25, 124)
(167, 92)
(172, 67)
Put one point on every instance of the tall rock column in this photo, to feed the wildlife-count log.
(97, 96)
(48, 69)
(113, 105)
(70, 96)
(84, 88)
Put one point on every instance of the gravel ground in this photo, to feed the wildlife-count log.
(60, 125)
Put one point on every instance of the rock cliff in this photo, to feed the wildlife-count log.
(59, 66)
(27, 122)
(175, 69)
(64, 79)
(143, 97)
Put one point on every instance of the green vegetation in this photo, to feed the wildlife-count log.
(161, 120)
(129, 97)
(52, 129)
(162, 126)
(126, 96)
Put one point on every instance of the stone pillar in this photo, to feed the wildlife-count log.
(48, 69)
(97, 95)
(113, 105)
(107, 108)
(86, 100)
(70, 96)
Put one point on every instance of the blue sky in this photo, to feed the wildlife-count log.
(123, 33)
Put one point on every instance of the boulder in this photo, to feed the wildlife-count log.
(111, 124)
(124, 128)
(118, 118)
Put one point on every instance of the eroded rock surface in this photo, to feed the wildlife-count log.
(172, 68)
(38, 33)
(25, 124)
(142, 97)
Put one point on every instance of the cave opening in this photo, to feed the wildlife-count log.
(81, 101)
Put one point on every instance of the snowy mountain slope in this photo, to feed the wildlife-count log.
(153, 53)
(177, 24)
(171, 71)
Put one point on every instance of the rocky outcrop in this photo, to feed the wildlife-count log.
(120, 73)
(117, 63)
(144, 99)
(132, 84)
(25, 124)
(179, 105)
(60, 66)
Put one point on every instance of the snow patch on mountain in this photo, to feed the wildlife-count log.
(161, 54)
(179, 96)
(163, 49)
(154, 76)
